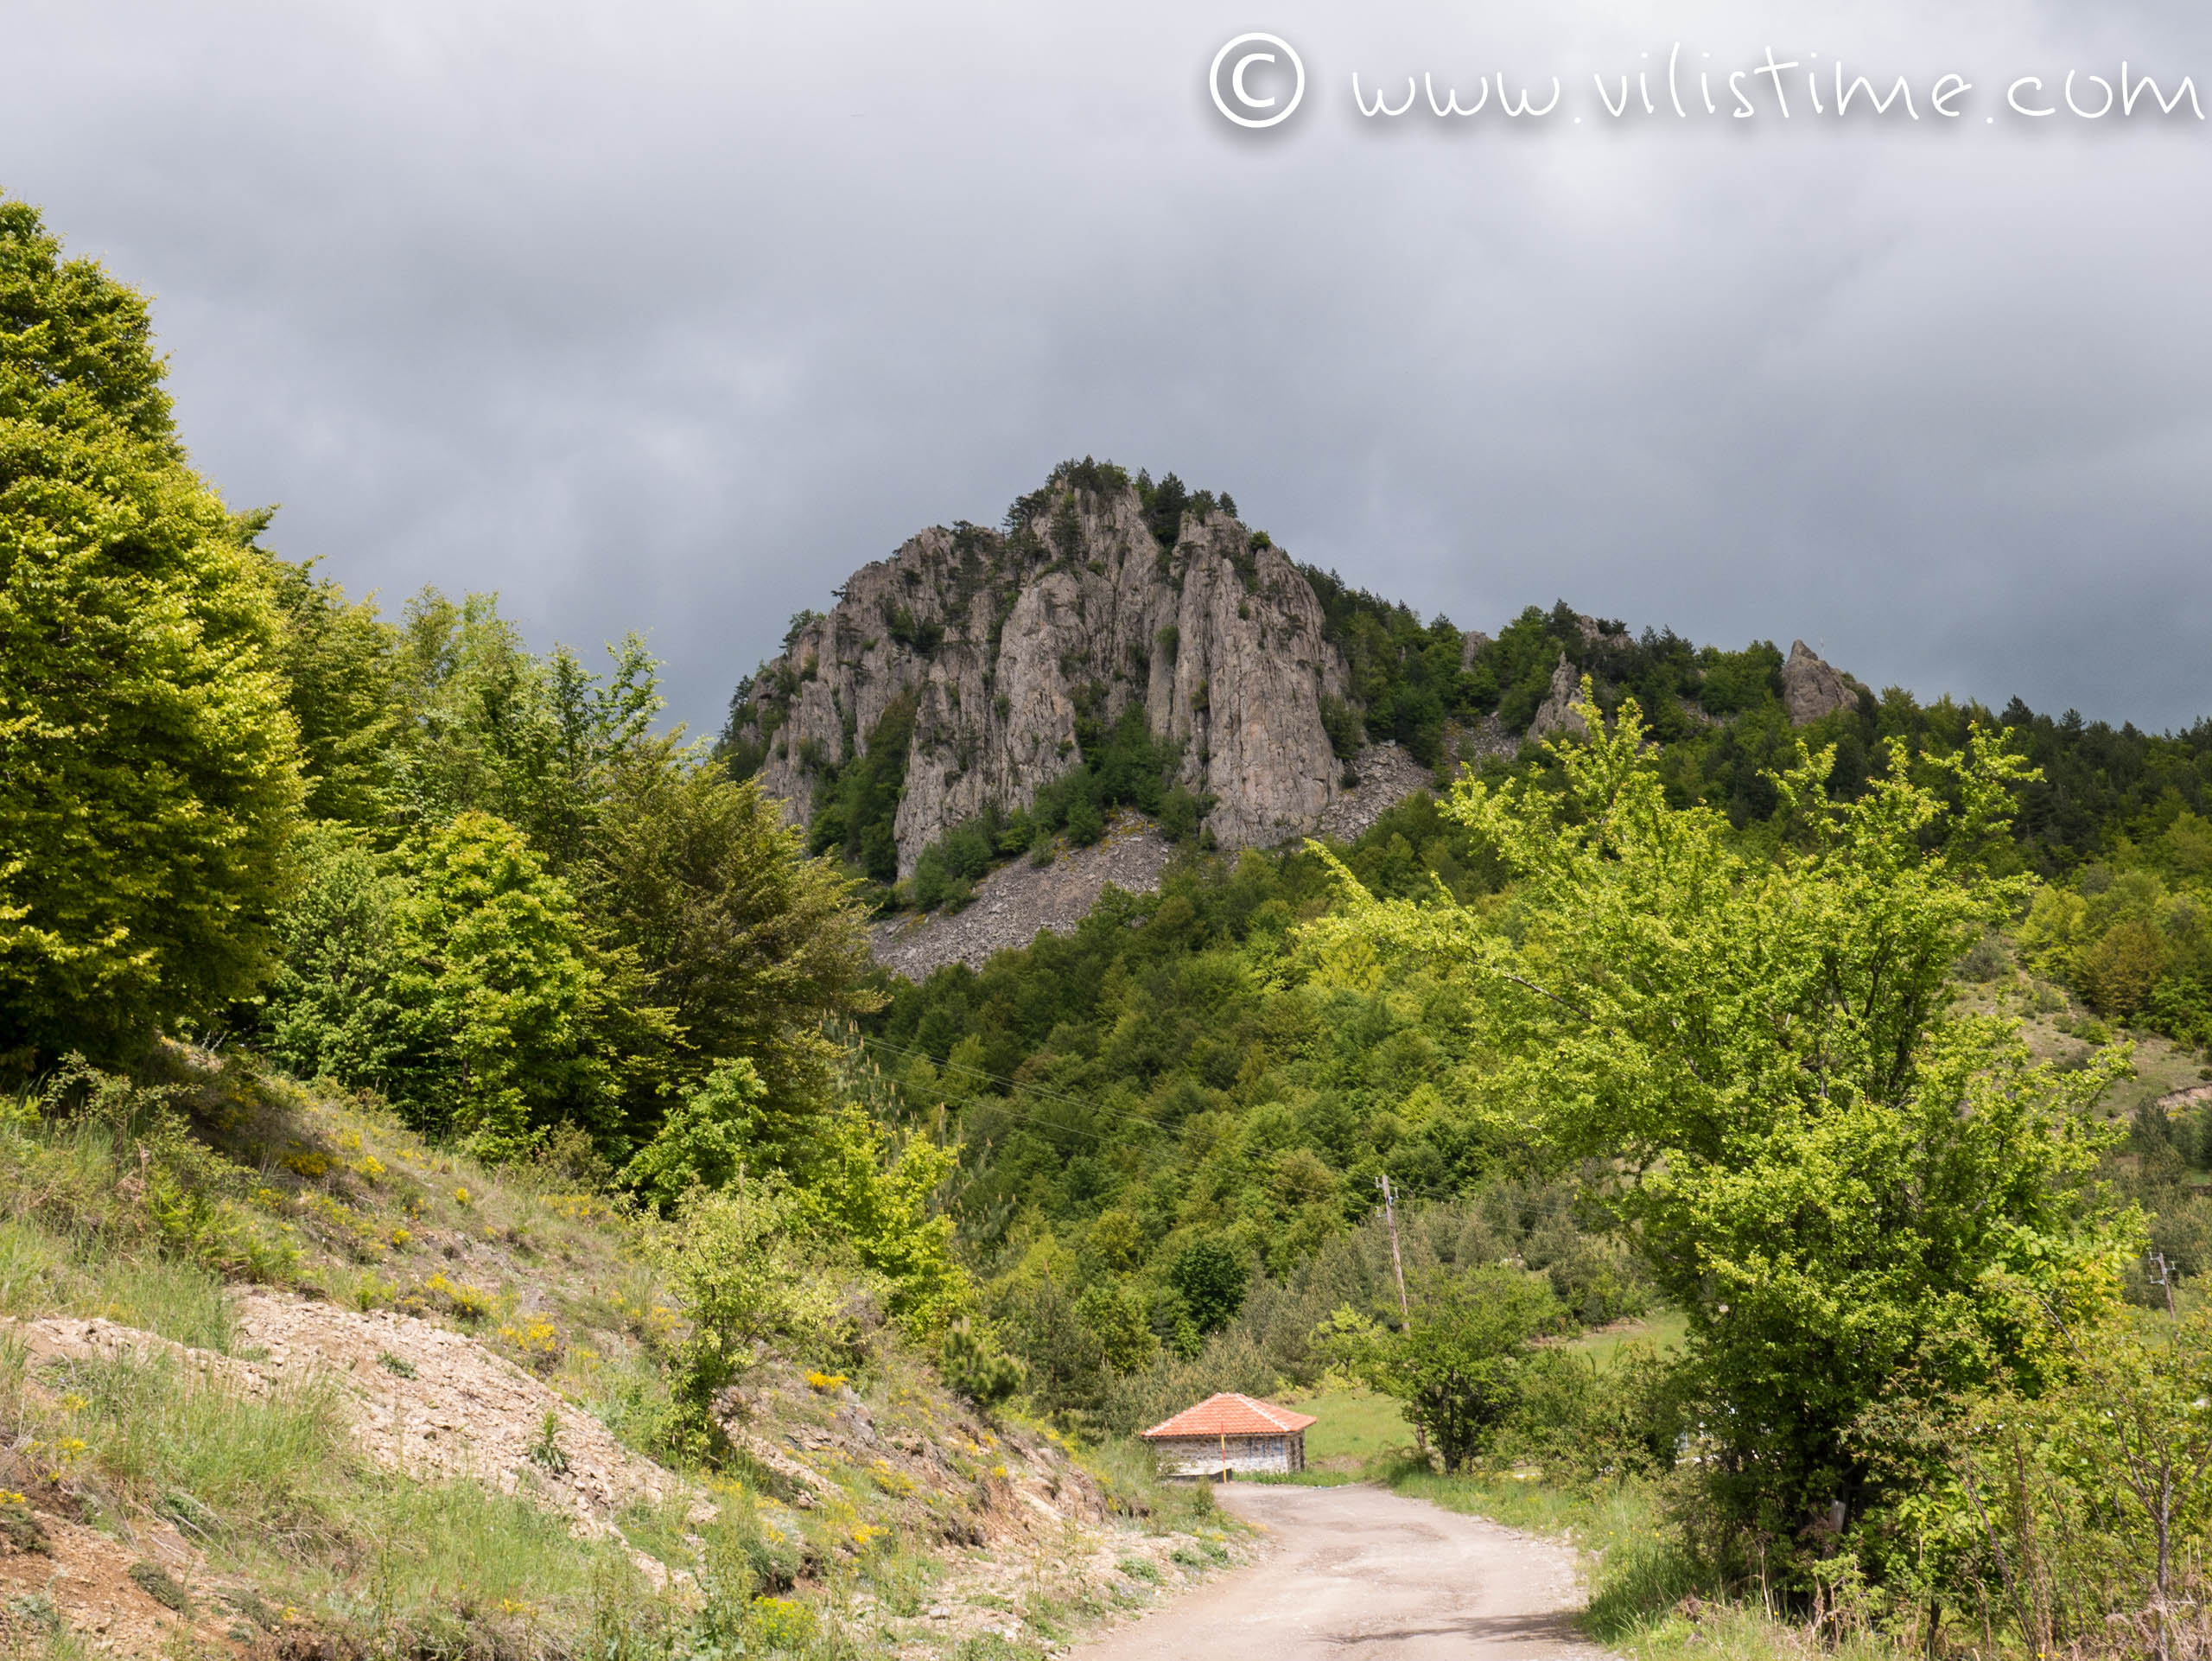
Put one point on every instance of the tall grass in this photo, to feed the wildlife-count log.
(224, 1466)
(43, 1273)
(1128, 1472)
(268, 1485)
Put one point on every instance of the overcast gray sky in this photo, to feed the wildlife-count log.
(666, 316)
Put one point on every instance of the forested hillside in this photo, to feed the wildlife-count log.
(421, 1005)
(1866, 1038)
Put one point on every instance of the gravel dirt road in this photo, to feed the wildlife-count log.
(1361, 1572)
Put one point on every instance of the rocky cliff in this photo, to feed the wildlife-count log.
(987, 654)
(975, 669)
(1811, 687)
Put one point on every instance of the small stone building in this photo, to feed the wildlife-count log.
(1226, 1434)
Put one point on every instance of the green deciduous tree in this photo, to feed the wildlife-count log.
(748, 942)
(1212, 1279)
(1458, 1363)
(347, 690)
(704, 1138)
(332, 1007)
(497, 729)
(519, 1017)
(148, 770)
(856, 1192)
(1831, 1170)
(1117, 1318)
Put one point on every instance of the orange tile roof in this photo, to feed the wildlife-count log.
(1229, 1415)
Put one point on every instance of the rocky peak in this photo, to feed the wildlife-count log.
(985, 653)
(1557, 713)
(1812, 688)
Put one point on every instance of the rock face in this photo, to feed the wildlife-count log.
(1812, 688)
(996, 645)
(1557, 713)
(986, 660)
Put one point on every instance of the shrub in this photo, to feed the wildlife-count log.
(704, 1138)
(1460, 1364)
(1342, 723)
(2076, 1517)
(973, 1366)
(729, 1256)
(1210, 1277)
(516, 1016)
(1592, 1421)
(1086, 822)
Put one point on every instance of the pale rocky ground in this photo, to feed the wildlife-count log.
(421, 1400)
(1018, 901)
(1356, 1571)
(81, 1585)
(1029, 1535)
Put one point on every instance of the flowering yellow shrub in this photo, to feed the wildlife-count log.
(781, 1623)
(533, 1338)
(457, 1297)
(60, 1457)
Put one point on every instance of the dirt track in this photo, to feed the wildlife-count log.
(1359, 1571)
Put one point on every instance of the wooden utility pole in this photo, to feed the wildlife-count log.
(2165, 1282)
(1397, 1262)
(1398, 1267)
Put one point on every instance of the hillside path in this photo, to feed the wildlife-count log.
(1358, 1571)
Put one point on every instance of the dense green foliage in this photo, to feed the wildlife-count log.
(1819, 1161)
(856, 801)
(541, 913)
(1412, 682)
(1459, 1362)
(1170, 1131)
(149, 772)
(2133, 932)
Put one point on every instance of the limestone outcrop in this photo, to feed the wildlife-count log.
(988, 660)
(1811, 687)
(987, 650)
(1557, 713)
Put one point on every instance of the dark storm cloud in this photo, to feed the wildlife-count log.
(666, 318)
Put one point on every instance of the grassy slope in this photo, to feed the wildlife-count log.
(1664, 1329)
(329, 1197)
